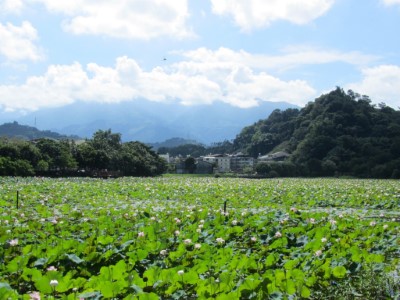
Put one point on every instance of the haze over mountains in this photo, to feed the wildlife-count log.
(148, 121)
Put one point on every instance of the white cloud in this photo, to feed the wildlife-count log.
(291, 57)
(138, 19)
(250, 14)
(381, 84)
(17, 42)
(391, 2)
(11, 6)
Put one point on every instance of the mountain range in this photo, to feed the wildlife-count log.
(146, 121)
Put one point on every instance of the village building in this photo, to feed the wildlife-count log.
(241, 162)
(204, 167)
(277, 156)
(166, 157)
(221, 162)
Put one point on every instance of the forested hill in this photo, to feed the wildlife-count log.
(25, 132)
(339, 133)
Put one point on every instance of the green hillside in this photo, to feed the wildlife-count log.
(338, 134)
(25, 132)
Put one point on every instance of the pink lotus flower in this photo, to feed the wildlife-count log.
(278, 234)
(13, 242)
(52, 268)
(34, 296)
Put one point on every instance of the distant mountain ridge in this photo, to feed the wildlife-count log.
(149, 122)
(173, 142)
(25, 132)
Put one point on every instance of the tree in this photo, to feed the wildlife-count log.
(19, 167)
(86, 156)
(190, 165)
(106, 140)
(29, 152)
(137, 159)
(263, 168)
(57, 154)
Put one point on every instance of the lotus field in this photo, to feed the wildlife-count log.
(199, 238)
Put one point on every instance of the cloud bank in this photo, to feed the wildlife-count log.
(202, 76)
(147, 19)
(189, 82)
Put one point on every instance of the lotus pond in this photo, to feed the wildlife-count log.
(199, 238)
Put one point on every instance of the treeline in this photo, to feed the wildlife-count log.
(104, 151)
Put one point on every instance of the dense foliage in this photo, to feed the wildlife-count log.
(104, 151)
(337, 134)
(199, 238)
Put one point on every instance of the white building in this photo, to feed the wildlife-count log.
(166, 157)
(241, 162)
(222, 163)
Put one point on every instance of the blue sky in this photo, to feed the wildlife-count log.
(194, 52)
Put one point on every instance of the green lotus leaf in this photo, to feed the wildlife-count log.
(74, 258)
(339, 271)
(305, 292)
(91, 295)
